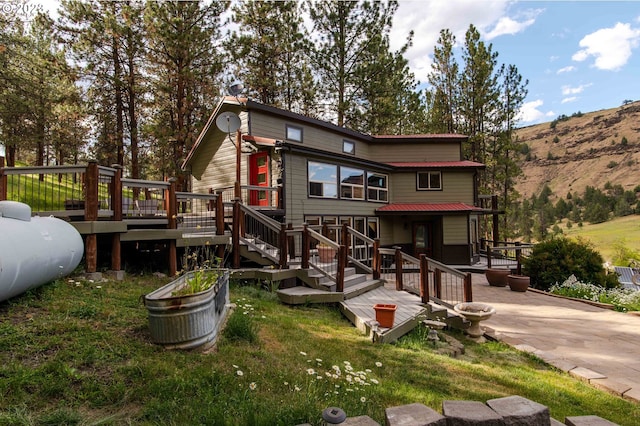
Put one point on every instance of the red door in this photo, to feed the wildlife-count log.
(259, 176)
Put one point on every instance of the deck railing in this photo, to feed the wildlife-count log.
(508, 255)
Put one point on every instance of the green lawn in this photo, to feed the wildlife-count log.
(78, 352)
(605, 235)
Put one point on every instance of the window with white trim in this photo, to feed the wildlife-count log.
(429, 181)
(351, 183)
(323, 180)
(377, 187)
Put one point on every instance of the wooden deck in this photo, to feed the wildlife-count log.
(359, 310)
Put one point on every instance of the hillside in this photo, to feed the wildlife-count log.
(583, 150)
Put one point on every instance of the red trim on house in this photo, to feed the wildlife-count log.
(427, 208)
(259, 140)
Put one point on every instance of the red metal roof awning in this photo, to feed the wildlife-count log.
(427, 208)
(259, 140)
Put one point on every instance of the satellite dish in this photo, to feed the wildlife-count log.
(228, 122)
(236, 88)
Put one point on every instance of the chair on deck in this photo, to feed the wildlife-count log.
(628, 277)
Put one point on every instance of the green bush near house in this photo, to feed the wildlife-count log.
(556, 259)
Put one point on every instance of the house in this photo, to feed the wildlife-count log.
(412, 191)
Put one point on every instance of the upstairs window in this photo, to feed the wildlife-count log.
(351, 183)
(323, 180)
(377, 187)
(348, 147)
(293, 133)
(429, 181)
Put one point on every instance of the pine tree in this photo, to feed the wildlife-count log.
(445, 80)
(185, 65)
(345, 44)
(269, 50)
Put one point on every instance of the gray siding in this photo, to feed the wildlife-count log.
(457, 187)
(455, 230)
(312, 137)
(399, 152)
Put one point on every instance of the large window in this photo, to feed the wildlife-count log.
(351, 183)
(429, 181)
(323, 180)
(377, 188)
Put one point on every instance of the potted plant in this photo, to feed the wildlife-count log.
(188, 311)
(326, 253)
(518, 282)
(497, 277)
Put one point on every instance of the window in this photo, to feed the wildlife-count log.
(348, 147)
(377, 188)
(429, 181)
(351, 183)
(323, 180)
(294, 133)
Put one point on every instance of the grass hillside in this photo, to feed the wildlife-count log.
(582, 150)
(605, 236)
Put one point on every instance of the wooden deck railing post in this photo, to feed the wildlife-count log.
(325, 229)
(398, 260)
(468, 294)
(291, 243)
(3, 180)
(344, 236)
(172, 216)
(91, 214)
(306, 246)
(219, 209)
(342, 263)
(283, 247)
(489, 251)
(235, 235)
(424, 278)
(518, 258)
(437, 283)
(375, 260)
(116, 204)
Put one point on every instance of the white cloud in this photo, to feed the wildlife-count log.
(427, 18)
(569, 99)
(568, 90)
(530, 112)
(506, 25)
(566, 69)
(611, 47)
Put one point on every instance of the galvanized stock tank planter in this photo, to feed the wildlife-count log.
(187, 321)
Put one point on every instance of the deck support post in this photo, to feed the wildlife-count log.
(3, 180)
(344, 237)
(219, 209)
(468, 295)
(291, 242)
(283, 247)
(172, 215)
(116, 204)
(306, 246)
(375, 261)
(235, 235)
(342, 262)
(424, 278)
(518, 258)
(495, 217)
(398, 260)
(91, 214)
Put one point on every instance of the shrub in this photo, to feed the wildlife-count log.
(554, 260)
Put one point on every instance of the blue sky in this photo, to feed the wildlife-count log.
(577, 55)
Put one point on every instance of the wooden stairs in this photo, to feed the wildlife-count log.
(361, 293)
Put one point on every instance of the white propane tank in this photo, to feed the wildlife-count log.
(34, 250)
